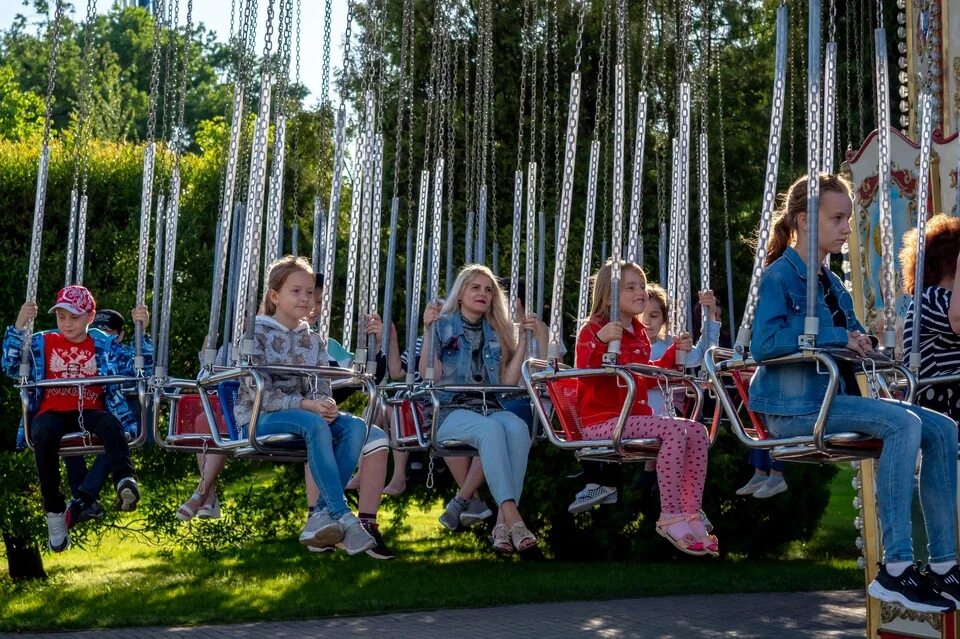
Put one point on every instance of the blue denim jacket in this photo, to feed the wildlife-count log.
(453, 350)
(113, 358)
(781, 309)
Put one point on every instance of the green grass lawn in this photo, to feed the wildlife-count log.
(126, 583)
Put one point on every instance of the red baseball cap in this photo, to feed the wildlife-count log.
(75, 299)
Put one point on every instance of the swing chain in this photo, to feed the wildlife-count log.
(201, 489)
(85, 434)
(52, 70)
(429, 482)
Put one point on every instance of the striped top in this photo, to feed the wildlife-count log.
(939, 345)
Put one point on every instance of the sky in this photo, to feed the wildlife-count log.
(215, 15)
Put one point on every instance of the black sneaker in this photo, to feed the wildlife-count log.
(128, 494)
(380, 551)
(947, 585)
(911, 589)
(79, 511)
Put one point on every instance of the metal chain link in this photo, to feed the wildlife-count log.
(525, 38)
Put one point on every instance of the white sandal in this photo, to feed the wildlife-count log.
(185, 513)
(211, 510)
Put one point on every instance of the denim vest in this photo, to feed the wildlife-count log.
(794, 389)
(453, 351)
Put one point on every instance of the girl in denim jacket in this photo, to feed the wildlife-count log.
(682, 460)
(789, 396)
(475, 345)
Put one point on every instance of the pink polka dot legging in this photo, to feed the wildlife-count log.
(681, 463)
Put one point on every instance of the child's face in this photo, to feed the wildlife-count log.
(653, 318)
(633, 293)
(294, 300)
(73, 327)
(834, 223)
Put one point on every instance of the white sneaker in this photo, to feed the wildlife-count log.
(321, 531)
(57, 535)
(756, 483)
(589, 497)
(355, 538)
(771, 487)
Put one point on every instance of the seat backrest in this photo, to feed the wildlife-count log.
(227, 393)
(191, 420)
(741, 380)
(563, 393)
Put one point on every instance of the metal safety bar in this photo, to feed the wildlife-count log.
(105, 380)
(818, 447)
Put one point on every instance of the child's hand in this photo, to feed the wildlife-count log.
(708, 302)
(684, 342)
(375, 328)
(431, 314)
(28, 313)
(859, 343)
(327, 408)
(531, 323)
(141, 314)
(610, 332)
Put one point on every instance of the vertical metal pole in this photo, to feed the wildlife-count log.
(829, 108)
(468, 253)
(71, 238)
(146, 201)
(448, 270)
(729, 259)
(333, 216)
(434, 282)
(239, 222)
(635, 234)
(926, 135)
(366, 224)
(811, 324)
(664, 246)
(481, 247)
(495, 259)
(531, 243)
(388, 291)
(770, 181)
(887, 266)
(225, 225)
(158, 245)
(515, 232)
(82, 238)
(173, 216)
(274, 239)
(319, 222)
(566, 201)
(616, 239)
(353, 248)
(413, 320)
(586, 261)
(376, 223)
(541, 261)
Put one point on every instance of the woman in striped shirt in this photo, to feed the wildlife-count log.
(939, 316)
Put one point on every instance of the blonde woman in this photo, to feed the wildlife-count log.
(475, 344)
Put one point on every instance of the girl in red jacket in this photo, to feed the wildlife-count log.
(682, 460)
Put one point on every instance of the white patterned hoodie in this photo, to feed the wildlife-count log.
(280, 346)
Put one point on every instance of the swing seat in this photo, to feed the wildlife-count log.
(406, 420)
(74, 443)
(816, 448)
(453, 447)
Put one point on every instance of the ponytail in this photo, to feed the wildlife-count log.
(779, 240)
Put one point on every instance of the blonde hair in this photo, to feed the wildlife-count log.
(277, 274)
(792, 205)
(497, 315)
(601, 284)
(658, 296)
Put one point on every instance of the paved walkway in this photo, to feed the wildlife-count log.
(820, 615)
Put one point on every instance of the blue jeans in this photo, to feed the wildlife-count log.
(761, 460)
(503, 440)
(904, 429)
(333, 450)
(87, 483)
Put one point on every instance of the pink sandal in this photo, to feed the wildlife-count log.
(709, 543)
(688, 543)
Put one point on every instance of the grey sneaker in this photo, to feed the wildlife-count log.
(590, 497)
(321, 531)
(355, 538)
(476, 511)
(57, 535)
(128, 494)
(451, 516)
(756, 483)
(773, 486)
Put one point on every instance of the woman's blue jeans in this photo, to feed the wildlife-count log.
(904, 429)
(503, 440)
(333, 450)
